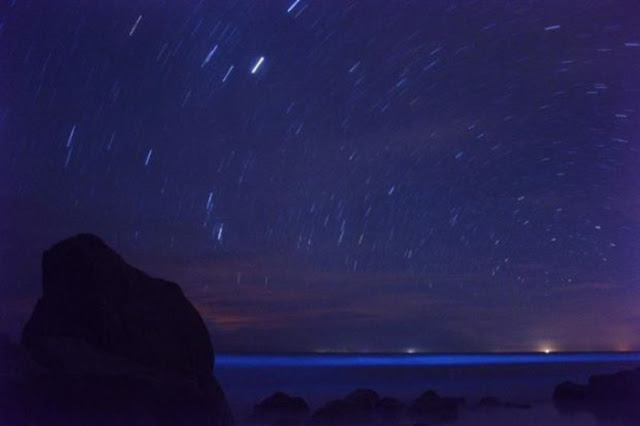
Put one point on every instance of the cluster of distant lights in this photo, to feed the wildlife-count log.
(544, 350)
(416, 351)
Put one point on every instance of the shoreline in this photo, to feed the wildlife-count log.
(395, 360)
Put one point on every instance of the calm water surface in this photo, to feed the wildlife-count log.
(526, 378)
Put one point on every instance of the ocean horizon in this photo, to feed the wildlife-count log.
(418, 358)
(522, 378)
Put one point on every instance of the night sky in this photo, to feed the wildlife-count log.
(336, 175)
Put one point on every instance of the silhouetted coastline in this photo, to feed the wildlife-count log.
(107, 344)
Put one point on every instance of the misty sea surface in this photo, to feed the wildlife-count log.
(520, 378)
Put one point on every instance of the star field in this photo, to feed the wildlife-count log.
(341, 175)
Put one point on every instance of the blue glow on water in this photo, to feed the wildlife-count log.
(340, 360)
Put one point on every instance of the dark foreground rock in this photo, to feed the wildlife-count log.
(608, 396)
(435, 408)
(112, 346)
(389, 409)
(341, 412)
(360, 407)
(570, 392)
(280, 408)
(364, 399)
(493, 402)
(365, 407)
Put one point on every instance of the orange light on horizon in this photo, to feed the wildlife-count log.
(546, 349)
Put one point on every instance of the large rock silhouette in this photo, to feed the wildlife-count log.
(90, 293)
(117, 346)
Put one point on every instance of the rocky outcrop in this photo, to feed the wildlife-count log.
(389, 409)
(493, 402)
(433, 407)
(115, 346)
(570, 392)
(341, 412)
(365, 407)
(280, 408)
(608, 396)
(92, 295)
(364, 399)
(360, 407)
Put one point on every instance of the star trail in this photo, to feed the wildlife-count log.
(336, 175)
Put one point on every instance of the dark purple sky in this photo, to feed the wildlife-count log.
(442, 175)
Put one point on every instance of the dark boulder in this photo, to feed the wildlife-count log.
(340, 412)
(364, 399)
(489, 401)
(389, 409)
(91, 294)
(14, 359)
(280, 408)
(620, 386)
(16, 368)
(493, 402)
(570, 392)
(517, 405)
(115, 346)
(109, 399)
(434, 407)
(610, 397)
(281, 402)
(357, 408)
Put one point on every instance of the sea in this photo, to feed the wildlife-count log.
(521, 378)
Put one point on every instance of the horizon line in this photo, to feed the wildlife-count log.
(376, 353)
